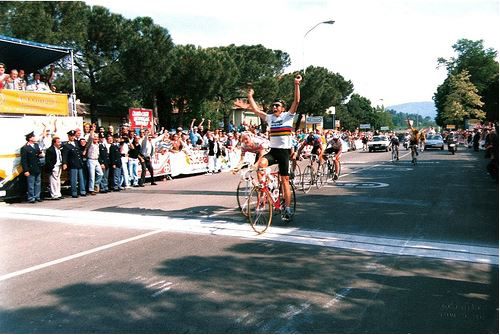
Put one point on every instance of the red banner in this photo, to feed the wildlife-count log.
(140, 118)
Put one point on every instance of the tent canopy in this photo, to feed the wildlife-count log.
(29, 56)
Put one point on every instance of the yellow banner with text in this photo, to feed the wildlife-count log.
(34, 103)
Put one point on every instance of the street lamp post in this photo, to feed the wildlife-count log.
(304, 39)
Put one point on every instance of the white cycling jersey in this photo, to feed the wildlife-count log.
(281, 130)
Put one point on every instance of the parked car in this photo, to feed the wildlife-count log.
(434, 142)
(379, 142)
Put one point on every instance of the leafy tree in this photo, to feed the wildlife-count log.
(198, 75)
(462, 101)
(482, 66)
(146, 58)
(359, 110)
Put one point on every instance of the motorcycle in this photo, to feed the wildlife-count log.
(452, 147)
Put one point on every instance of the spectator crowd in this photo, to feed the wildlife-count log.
(16, 79)
(100, 160)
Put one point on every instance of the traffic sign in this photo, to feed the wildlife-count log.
(314, 120)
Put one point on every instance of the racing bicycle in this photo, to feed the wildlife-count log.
(394, 154)
(267, 199)
(311, 175)
(247, 182)
(331, 167)
(413, 148)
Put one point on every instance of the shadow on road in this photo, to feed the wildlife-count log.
(263, 287)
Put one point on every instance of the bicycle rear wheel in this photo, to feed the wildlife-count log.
(307, 179)
(260, 210)
(242, 194)
(292, 200)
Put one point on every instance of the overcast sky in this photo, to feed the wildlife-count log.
(387, 48)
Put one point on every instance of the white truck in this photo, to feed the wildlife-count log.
(23, 111)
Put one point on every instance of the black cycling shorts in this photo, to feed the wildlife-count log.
(280, 156)
(331, 151)
(315, 149)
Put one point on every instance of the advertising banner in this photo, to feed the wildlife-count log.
(191, 162)
(14, 131)
(37, 103)
(140, 117)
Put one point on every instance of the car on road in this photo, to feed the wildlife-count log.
(434, 142)
(379, 142)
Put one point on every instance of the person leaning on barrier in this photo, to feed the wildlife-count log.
(53, 166)
(3, 75)
(13, 82)
(39, 84)
(30, 162)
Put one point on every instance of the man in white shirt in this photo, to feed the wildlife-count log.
(53, 165)
(95, 170)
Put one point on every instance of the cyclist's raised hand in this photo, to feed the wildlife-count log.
(298, 79)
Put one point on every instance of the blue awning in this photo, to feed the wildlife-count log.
(29, 56)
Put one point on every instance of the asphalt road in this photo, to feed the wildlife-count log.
(389, 248)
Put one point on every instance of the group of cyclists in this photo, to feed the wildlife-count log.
(283, 145)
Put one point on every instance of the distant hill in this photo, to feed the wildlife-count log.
(426, 108)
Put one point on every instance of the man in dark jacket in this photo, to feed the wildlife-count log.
(115, 161)
(53, 166)
(72, 158)
(147, 151)
(30, 161)
(475, 140)
(104, 147)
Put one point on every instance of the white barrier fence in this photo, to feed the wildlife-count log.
(191, 162)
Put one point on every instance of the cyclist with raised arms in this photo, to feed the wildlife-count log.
(334, 145)
(414, 135)
(281, 123)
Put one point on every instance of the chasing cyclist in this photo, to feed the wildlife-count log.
(317, 143)
(253, 144)
(395, 145)
(281, 123)
(334, 146)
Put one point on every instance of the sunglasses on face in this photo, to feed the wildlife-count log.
(276, 105)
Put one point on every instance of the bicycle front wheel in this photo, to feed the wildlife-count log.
(260, 210)
(307, 179)
(242, 194)
(322, 175)
(297, 176)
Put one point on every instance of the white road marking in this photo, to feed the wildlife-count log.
(158, 224)
(80, 254)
